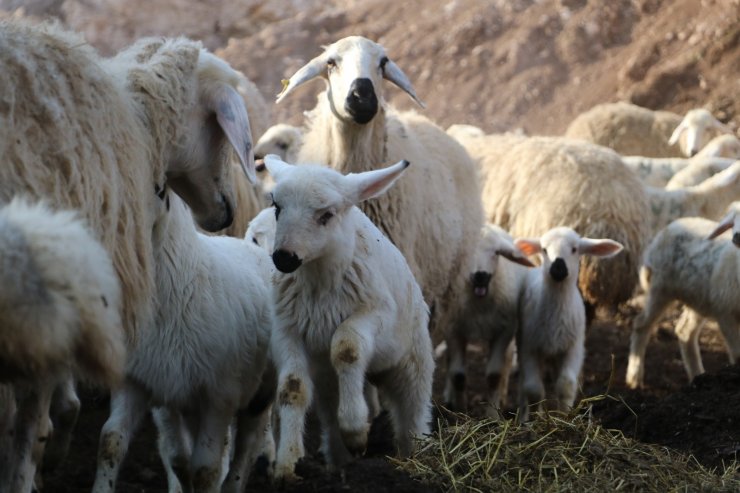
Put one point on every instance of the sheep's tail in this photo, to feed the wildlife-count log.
(646, 274)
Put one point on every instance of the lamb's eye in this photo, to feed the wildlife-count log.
(573, 250)
(283, 146)
(331, 63)
(383, 61)
(254, 240)
(325, 218)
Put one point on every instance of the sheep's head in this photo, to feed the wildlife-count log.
(282, 140)
(561, 248)
(700, 126)
(493, 243)
(261, 230)
(199, 170)
(731, 220)
(354, 69)
(311, 204)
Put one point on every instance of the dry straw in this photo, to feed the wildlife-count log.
(555, 453)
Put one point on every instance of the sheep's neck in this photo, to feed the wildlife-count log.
(355, 148)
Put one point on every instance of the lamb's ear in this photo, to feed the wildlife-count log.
(393, 73)
(726, 223)
(599, 248)
(309, 71)
(277, 167)
(722, 127)
(512, 253)
(677, 133)
(231, 114)
(530, 246)
(363, 186)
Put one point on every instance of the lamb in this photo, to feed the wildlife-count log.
(725, 145)
(352, 128)
(699, 126)
(628, 129)
(492, 315)
(282, 140)
(347, 307)
(553, 324)
(700, 170)
(659, 171)
(261, 230)
(686, 264)
(533, 184)
(59, 314)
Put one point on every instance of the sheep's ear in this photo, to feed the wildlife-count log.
(309, 71)
(677, 133)
(530, 246)
(277, 167)
(726, 223)
(722, 127)
(393, 73)
(363, 186)
(599, 248)
(724, 178)
(512, 253)
(231, 114)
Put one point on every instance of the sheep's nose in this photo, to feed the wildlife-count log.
(736, 239)
(558, 270)
(361, 103)
(286, 261)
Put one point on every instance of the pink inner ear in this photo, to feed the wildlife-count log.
(602, 248)
(529, 247)
(721, 228)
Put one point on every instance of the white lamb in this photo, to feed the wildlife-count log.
(492, 303)
(659, 171)
(59, 315)
(347, 309)
(685, 263)
(261, 230)
(726, 145)
(282, 140)
(700, 126)
(701, 169)
(553, 326)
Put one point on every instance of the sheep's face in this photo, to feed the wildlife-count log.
(311, 206)
(261, 230)
(698, 127)
(354, 69)
(493, 243)
(282, 140)
(731, 220)
(560, 249)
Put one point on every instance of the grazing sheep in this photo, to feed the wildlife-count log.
(352, 128)
(495, 288)
(553, 321)
(282, 140)
(722, 146)
(347, 309)
(708, 199)
(685, 263)
(699, 126)
(59, 314)
(628, 129)
(659, 171)
(533, 184)
(701, 169)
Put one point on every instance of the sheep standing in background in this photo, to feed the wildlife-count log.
(628, 129)
(347, 309)
(725, 145)
(699, 171)
(695, 130)
(282, 140)
(352, 129)
(685, 263)
(553, 325)
(659, 171)
(59, 314)
(495, 288)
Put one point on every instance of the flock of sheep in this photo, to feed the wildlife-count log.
(118, 171)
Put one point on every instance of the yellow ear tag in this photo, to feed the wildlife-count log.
(285, 83)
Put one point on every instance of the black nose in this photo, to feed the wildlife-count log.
(286, 261)
(736, 239)
(558, 270)
(361, 102)
(481, 278)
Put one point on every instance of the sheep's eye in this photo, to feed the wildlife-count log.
(573, 250)
(283, 146)
(331, 63)
(383, 61)
(325, 218)
(254, 240)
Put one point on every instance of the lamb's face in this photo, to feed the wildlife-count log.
(698, 126)
(261, 230)
(281, 140)
(493, 244)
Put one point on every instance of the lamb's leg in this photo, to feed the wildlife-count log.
(688, 328)
(65, 407)
(174, 448)
(500, 354)
(373, 402)
(128, 405)
(454, 394)
(208, 447)
(531, 388)
(728, 325)
(655, 305)
(569, 372)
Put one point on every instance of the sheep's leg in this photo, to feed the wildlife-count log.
(65, 407)
(371, 398)
(208, 447)
(500, 354)
(531, 387)
(128, 405)
(7, 421)
(174, 448)
(327, 401)
(729, 327)
(688, 328)
(454, 394)
(569, 372)
(655, 305)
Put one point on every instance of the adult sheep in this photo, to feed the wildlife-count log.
(537, 183)
(434, 215)
(628, 129)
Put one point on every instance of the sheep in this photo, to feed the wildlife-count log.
(553, 321)
(699, 126)
(685, 263)
(495, 288)
(659, 171)
(708, 199)
(628, 129)
(282, 140)
(59, 314)
(701, 169)
(347, 307)
(352, 128)
(261, 230)
(725, 145)
(533, 184)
